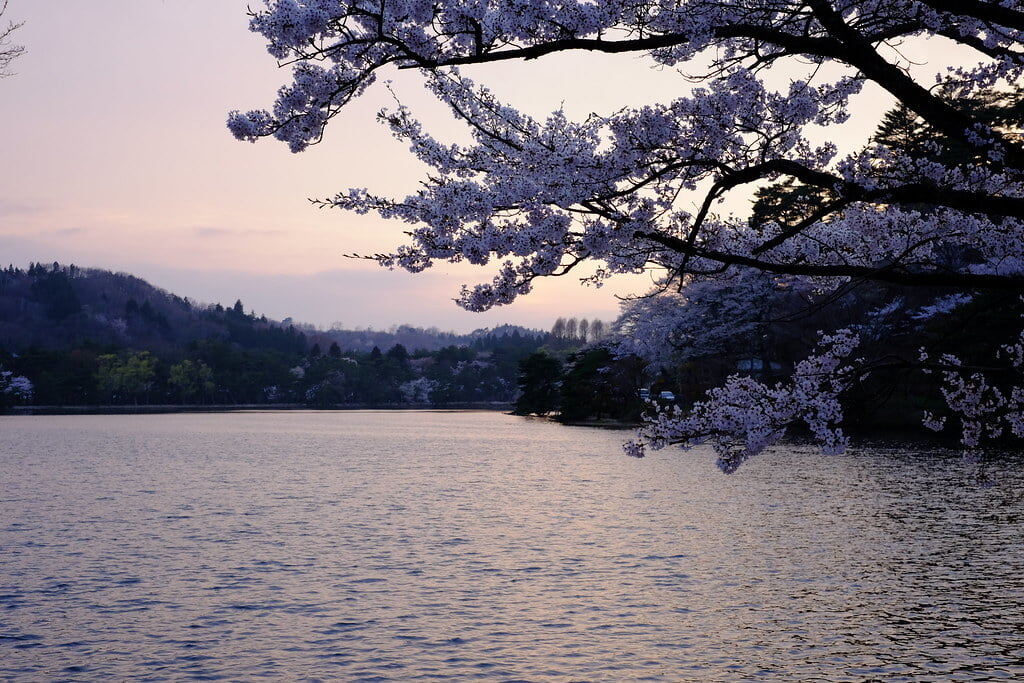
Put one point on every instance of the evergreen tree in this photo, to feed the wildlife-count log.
(539, 383)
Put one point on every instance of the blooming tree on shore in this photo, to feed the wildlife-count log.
(642, 187)
(14, 388)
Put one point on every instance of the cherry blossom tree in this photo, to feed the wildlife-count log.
(14, 388)
(706, 318)
(8, 51)
(644, 187)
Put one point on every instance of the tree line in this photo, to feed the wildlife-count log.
(674, 350)
(71, 336)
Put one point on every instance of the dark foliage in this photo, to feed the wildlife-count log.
(540, 384)
(91, 337)
(599, 386)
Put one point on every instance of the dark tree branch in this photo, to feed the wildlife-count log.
(894, 273)
(8, 52)
(986, 11)
(940, 114)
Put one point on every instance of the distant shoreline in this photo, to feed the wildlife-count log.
(236, 408)
(859, 433)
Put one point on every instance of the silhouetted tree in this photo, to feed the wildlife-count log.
(571, 329)
(597, 385)
(54, 291)
(539, 381)
(398, 354)
(583, 331)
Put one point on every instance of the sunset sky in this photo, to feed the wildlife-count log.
(116, 156)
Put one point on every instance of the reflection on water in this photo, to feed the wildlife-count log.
(367, 546)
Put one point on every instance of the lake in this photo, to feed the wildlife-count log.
(419, 545)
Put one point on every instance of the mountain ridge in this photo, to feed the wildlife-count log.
(57, 306)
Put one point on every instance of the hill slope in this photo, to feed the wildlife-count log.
(75, 336)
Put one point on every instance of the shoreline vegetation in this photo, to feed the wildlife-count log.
(77, 341)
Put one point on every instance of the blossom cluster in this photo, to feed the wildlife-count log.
(16, 386)
(744, 416)
(985, 409)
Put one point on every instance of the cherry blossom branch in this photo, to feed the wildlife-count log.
(890, 273)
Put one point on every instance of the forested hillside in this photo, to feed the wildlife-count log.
(56, 307)
(76, 336)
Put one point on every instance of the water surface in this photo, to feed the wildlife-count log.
(403, 546)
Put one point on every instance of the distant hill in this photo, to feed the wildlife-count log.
(73, 336)
(55, 307)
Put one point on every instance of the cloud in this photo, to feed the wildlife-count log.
(14, 209)
(216, 232)
(213, 232)
(73, 231)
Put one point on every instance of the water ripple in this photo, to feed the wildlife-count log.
(480, 547)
